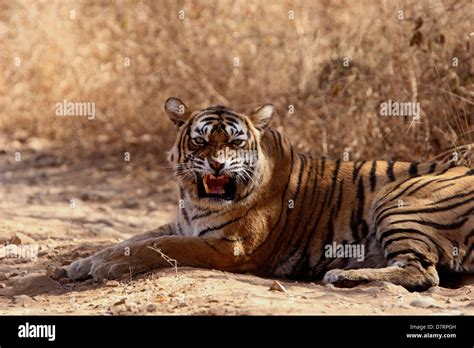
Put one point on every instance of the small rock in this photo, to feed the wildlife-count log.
(130, 203)
(151, 307)
(424, 302)
(2, 286)
(20, 238)
(277, 286)
(22, 299)
(112, 283)
(3, 276)
(119, 302)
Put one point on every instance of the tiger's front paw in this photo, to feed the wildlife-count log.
(110, 263)
(345, 278)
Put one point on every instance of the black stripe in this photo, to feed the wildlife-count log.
(405, 189)
(394, 189)
(432, 168)
(451, 226)
(387, 243)
(373, 176)
(421, 258)
(466, 239)
(180, 143)
(413, 170)
(180, 230)
(339, 199)
(442, 187)
(390, 174)
(209, 119)
(357, 213)
(337, 164)
(277, 148)
(459, 195)
(199, 216)
(438, 181)
(356, 169)
(280, 141)
(211, 246)
(469, 212)
(323, 166)
(210, 229)
(394, 231)
(381, 217)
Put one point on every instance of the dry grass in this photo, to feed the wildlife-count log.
(286, 61)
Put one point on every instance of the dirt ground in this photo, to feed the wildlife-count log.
(111, 203)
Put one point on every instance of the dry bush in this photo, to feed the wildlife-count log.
(286, 61)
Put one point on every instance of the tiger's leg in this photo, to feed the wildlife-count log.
(411, 255)
(148, 254)
(80, 269)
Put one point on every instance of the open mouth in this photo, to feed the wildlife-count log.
(221, 187)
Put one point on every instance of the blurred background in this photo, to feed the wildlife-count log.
(332, 62)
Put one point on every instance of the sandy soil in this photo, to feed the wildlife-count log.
(113, 203)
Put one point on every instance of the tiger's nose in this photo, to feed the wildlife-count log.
(216, 166)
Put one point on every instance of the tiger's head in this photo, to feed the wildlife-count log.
(217, 155)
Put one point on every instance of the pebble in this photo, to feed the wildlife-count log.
(120, 302)
(112, 284)
(20, 238)
(277, 286)
(151, 307)
(3, 276)
(424, 302)
(130, 203)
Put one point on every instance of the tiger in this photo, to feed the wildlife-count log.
(250, 203)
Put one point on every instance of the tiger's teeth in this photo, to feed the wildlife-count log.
(205, 186)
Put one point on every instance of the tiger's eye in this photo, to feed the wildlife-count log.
(198, 141)
(238, 142)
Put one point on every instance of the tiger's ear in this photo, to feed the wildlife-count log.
(177, 111)
(262, 115)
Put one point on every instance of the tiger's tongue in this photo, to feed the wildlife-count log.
(215, 185)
